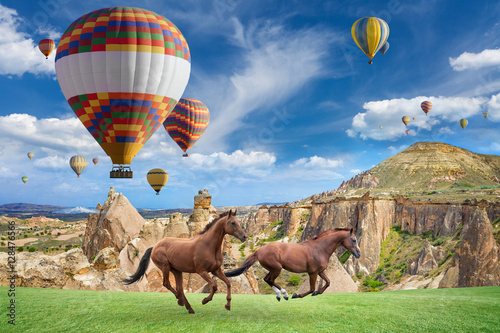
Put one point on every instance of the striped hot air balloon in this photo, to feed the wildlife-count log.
(187, 122)
(426, 106)
(30, 155)
(463, 123)
(157, 178)
(78, 163)
(122, 70)
(370, 34)
(405, 120)
(46, 46)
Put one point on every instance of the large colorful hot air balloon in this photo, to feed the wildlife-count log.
(24, 179)
(46, 46)
(187, 122)
(370, 34)
(384, 48)
(95, 160)
(122, 70)
(78, 163)
(463, 123)
(426, 106)
(30, 155)
(157, 178)
(485, 115)
(406, 120)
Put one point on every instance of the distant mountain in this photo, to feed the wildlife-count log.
(76, 210)
(26, 208)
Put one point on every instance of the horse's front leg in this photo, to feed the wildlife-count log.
(212, 284)
(327, 284)
(180, 292)
(312, 286)
(220, 274)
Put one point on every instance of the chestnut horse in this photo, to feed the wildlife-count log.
(309, 256)
(200, 254)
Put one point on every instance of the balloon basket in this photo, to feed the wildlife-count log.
(185, 155)
(120, 171)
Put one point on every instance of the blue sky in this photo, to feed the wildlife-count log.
(295, 107)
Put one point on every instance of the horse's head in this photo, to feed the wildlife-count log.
(351, 243)
(233, 227)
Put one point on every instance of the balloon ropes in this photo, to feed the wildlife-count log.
(187, 123)
(157, 178)
(78, 164)
(122, 70)
(370, 34)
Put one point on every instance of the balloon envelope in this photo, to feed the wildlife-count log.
(370, 34)
(485, 115)
(406, 120)
(463, 123)
(78, 163)
(407, 132)
(187, 122)
(122, 70)
(426, 106)
(24, 179)
(46, 46)
(95, 160)
(384, 48)
(157, 178)
(30, 155)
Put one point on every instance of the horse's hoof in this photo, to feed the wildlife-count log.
(191, 311)
(314, 293)
(205, 301)
(279, 299)
(295, 295)
(179, 302)
(228, 307)
(286, 298)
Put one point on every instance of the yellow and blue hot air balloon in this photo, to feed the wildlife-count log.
(78, 163)
(384, 48)
(485, 115)
(405, 120)
(463, 123)
(157, 178)
(370, 34)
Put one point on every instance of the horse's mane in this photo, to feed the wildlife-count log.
(323, 233)
(211, 224)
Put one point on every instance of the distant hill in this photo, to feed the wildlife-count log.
(76, 210)
(24, 208)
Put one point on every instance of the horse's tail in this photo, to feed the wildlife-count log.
(244, 267)
(143, 266)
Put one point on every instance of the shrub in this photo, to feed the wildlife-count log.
(448, 255)
(294, 280)
(343, 258)
(20, 249)
(360, 275)
(301, 228)
(25, 236)
(31, 249)
(396, 228)
(427, 234)
(438, 241)
(242, 247)
(373, 283)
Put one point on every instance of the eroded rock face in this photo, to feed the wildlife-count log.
(177, 227)
(106, 258)
(427, 260)
(73, 261)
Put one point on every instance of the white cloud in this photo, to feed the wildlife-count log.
(466, 60)
(389, 113)
(313, 168)
(355, 171)
(316, 162)
(52, 162)
(446, 130)
(19, 54)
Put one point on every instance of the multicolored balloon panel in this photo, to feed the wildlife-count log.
(370, 34)
(157, 178)
(122, 71)
(78, 164)
(46, 46)
(426, 106)
(187, 122)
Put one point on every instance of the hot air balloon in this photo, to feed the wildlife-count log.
(24, 179)
(463, 123)
(407, 132)
(187, 122)
(384, 48)
(46, 46)
(30, 155)
(381, 126)
(413, 118)
(95, 160)
(122, 70)
(426, 106)
(157, 178)
(370, 34)
(406, 120)
(485, 115)
(78, 163)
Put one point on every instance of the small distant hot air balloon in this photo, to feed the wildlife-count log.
(381, 126)
(187, 122)
(78, 163)
(406, 120)
(413, 118)
(24, 179)
(463, 123)
(485, 115)
(407, 132)
(384, 48)
(46, 46)
(95, 160)
(157, 178)
(30, 155)
(370, 34)
(426, 106)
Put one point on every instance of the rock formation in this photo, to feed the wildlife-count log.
(427, 260)
(203, 212)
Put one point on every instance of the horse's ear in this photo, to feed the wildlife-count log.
(235, 212)
(229, 215)
(352, 230)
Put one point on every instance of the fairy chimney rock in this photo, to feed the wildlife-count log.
(203, 199)
(203, 212)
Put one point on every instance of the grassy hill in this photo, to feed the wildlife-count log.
(442, 310)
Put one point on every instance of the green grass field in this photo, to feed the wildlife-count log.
(442, 310)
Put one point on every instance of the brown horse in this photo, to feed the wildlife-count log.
(310, 256)
(200, 254)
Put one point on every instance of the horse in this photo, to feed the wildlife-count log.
(200, 254)
(309, 256)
